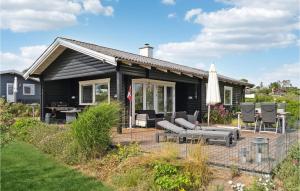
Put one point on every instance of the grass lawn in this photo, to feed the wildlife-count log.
(23, 167)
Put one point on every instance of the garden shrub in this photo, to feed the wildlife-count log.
(23, 110)
(169, 177)
(92, 129)
(138, 179)
(197, 168)
(265, 183)
(125, 151)
(51, 139)
(6, 120)
(22, 127)
(219, 114)
(289, 170)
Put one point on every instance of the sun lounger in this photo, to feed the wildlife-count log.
(188, 125)
(180, 133)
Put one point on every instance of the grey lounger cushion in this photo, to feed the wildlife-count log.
(224, 135)
(188, 125)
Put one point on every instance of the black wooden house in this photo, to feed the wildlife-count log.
(77, 74)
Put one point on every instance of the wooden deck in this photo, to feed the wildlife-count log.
(217, 152)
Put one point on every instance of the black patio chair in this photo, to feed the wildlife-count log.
(269, 116)
(248, 115)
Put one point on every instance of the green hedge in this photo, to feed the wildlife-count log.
(92, 129)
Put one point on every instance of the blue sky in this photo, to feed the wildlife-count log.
(256, 40)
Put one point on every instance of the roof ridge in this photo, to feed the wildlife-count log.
(134, 54)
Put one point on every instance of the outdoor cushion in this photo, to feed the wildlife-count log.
(188, 125)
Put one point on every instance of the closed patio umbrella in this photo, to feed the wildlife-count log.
(15, 88)
(213, 90)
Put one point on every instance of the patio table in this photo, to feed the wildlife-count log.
(71, 114)
(281, 115)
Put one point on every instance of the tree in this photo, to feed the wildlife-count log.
(286, 83)
(275, 85)
(244, 80)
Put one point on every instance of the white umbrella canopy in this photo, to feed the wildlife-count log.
(213, 89)
(15, 86)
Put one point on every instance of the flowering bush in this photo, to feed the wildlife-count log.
(219, 114)
(264, 183)
(236, 187)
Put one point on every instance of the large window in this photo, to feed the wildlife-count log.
(153, 95)
(94, 91)
(227, 95)
(28, 89)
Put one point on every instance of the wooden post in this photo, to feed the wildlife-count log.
(119, 79)
(42, 99)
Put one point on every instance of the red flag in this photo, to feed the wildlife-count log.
(129, 95)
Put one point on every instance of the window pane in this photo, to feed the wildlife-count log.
(87, 94)
(101, 92)
(138, 96)
(27, 90)
(227, 100)
(160, 98)
(10, 90)
(149, 97)
(169, 99)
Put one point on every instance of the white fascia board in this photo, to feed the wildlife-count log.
(42, 58)
(92, 53)
(163, 70)
(59, 42)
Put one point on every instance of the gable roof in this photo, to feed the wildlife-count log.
(16, 72)
(111, 56)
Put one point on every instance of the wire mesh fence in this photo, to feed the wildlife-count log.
(253, 152)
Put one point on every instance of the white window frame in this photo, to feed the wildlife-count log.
(156, 83)
(93, 83)
(226, 88)
(32, 89)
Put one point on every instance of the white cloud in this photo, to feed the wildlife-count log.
(246, 26)
(96, 7)
(192, 13)
(284, 72)
(171, 15)
(30, 15)
(169, 2)
(22, 60)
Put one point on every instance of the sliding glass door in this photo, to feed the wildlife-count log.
(160, 98)
(153, 95)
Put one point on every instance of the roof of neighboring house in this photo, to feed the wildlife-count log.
(113, 55)
(17, 73)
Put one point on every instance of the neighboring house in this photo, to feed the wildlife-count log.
(250, 93)
(77, 74)
(28, 91)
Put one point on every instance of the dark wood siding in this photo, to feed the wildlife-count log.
(133, 70)
(237, 95)
(63, 90)
(72, 64)
(168, 76)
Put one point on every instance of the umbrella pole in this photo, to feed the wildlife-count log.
(208, 115)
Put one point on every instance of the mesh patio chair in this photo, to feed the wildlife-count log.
(193, 118)
(248, 115)
(269, 116)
